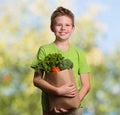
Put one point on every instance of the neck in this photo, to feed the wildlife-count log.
(62, 45)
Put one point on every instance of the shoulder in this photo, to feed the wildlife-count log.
(45, 47)
(77, 49)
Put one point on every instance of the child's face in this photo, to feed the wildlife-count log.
(63, 27)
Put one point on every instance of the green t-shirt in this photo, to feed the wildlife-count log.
(74, 54)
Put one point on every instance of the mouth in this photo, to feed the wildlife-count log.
(62, 33)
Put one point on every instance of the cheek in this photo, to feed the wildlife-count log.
(72, 29)
(56, 29)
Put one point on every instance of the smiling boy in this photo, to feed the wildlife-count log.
(62, 24)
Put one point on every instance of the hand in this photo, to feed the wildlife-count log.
(61, 110)
(68, 90)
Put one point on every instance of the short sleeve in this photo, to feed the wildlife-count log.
(83, 65)
(40, 55)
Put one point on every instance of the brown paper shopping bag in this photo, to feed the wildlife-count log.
(58, 79)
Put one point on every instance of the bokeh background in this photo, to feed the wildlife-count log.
(24, 27)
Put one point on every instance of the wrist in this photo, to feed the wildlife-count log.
(54, 91)
(57, 91)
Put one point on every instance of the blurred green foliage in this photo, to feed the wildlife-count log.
(22, 32)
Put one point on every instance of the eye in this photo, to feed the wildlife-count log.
(67, 24)
(58, 25)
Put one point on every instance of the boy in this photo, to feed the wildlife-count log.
(62, 24)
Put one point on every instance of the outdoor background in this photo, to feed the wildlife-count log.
(24, 27)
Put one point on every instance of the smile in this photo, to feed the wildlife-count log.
(63, 33)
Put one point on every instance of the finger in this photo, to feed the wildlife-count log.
(63, 110)
(72, 87)
(72, 90)
(70, 84)
(71, 93)
(56, 111)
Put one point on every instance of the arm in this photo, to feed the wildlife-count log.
(39, 82)
(85, 82)
(65, 90)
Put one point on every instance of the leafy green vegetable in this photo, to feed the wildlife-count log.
(66, 64)
(51, 61)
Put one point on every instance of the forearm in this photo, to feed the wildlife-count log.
(83, 92)
(85, 85)
(68, 89)
(44, 86)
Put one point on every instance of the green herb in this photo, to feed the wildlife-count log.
(51, 61)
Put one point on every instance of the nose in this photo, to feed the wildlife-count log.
(62, 27)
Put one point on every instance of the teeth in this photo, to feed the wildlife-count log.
(62, 33)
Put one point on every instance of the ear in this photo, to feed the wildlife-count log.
(73, 28)
(51, 27)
